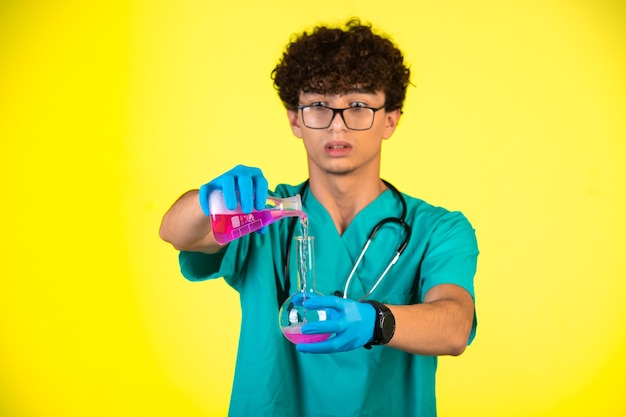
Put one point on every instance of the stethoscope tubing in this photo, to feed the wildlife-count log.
(399, 251)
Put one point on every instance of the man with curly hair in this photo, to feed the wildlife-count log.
(343, 88)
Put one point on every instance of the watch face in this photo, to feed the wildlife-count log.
(388, 327)
(385, 325)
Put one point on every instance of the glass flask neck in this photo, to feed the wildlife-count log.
(287, 203)
(305, 262)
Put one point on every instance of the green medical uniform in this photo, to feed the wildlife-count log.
(271, 378)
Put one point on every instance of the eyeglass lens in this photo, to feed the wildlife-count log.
(355, 118)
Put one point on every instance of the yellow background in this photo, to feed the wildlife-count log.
(110, 110)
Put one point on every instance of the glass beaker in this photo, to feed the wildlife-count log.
(229, 225)
(292, 315)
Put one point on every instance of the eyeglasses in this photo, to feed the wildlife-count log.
(355, 118)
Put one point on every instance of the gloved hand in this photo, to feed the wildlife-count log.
(351, 321)
(249, 182)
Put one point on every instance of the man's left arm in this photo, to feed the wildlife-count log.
(441, 325)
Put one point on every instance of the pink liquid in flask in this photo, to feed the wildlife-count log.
(227, 227)
(294, 335)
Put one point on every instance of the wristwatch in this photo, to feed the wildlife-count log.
(384, 326)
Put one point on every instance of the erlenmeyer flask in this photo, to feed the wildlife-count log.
(229, 225)
(292, 315)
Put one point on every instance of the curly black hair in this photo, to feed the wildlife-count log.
(332, 60)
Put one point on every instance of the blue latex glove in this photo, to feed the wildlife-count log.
(249, 182)
(351, 321)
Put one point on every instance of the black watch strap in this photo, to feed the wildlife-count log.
(384, 325)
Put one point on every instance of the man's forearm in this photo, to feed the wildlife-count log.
(439, 326)
(186, 227)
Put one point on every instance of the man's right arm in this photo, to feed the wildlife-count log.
(187, 224)
(186, 227)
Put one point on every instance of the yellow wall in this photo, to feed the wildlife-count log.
(110, 110)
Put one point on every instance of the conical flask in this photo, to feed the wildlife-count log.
(292, 315)
(229, 225)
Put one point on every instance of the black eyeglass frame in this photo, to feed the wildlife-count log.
(340, 111)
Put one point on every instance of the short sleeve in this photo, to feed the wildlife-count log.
(451, 256)
(197, 266)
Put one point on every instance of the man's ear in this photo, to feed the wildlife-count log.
(294, 122)
(391, 120)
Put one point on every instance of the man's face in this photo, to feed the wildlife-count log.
(336, 149)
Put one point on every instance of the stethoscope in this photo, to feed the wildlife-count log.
(398, 220)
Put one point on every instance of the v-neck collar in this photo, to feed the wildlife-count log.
(385, 203)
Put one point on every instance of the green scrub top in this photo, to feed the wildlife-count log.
(271, 378)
